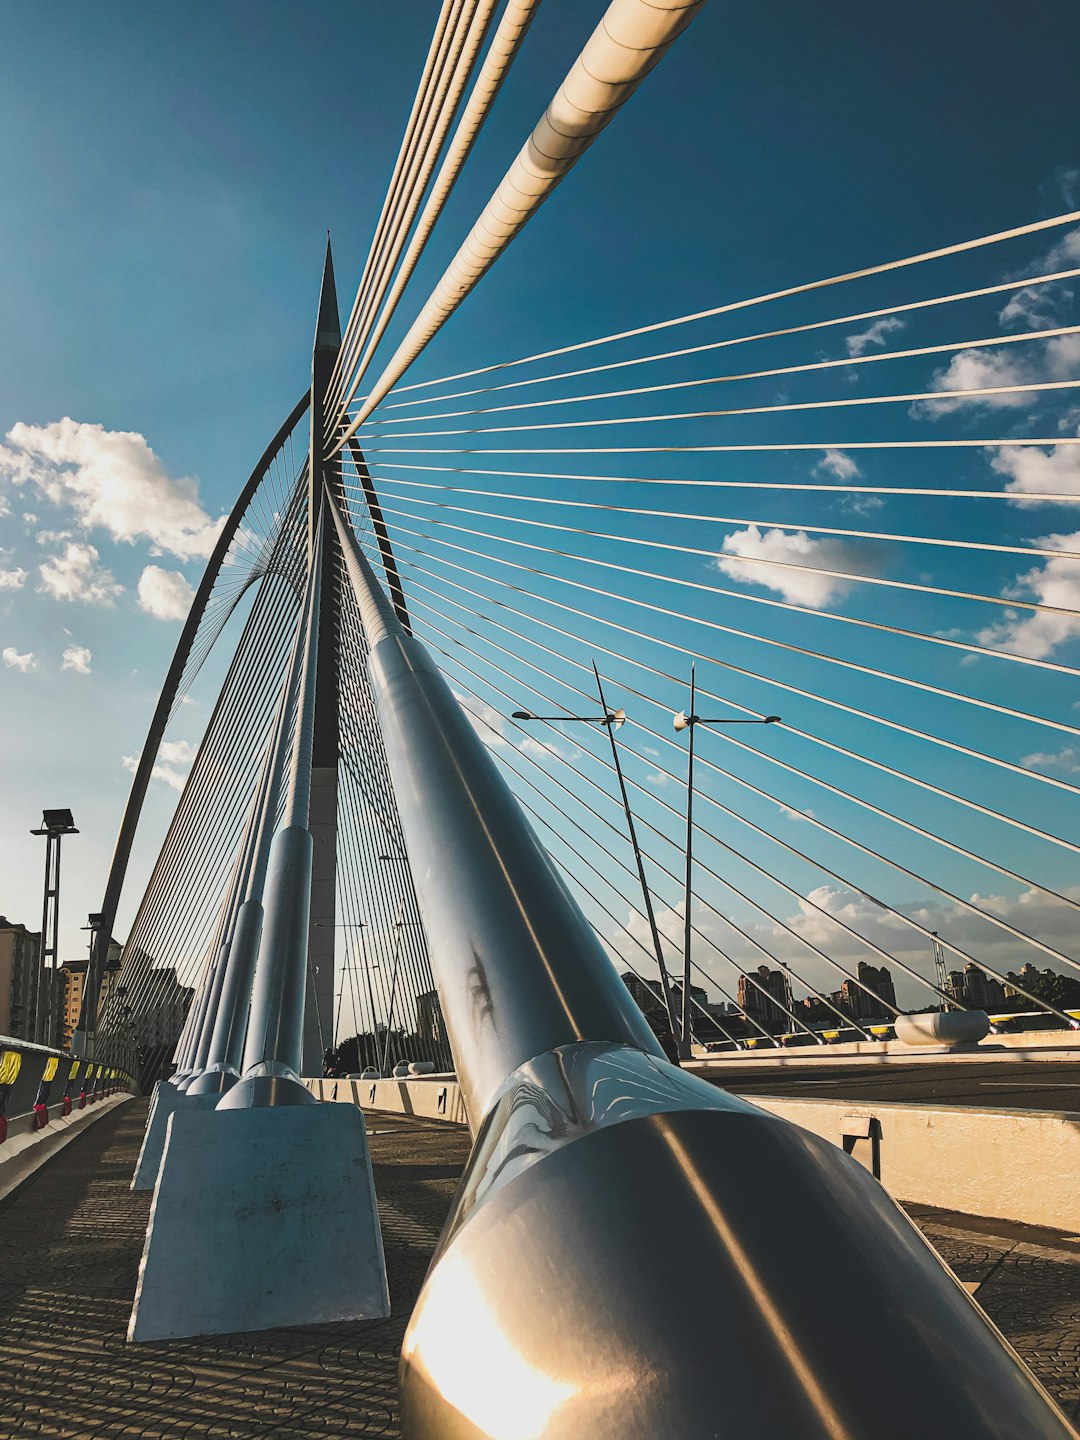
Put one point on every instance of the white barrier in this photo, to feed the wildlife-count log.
(433, 1097)
(1018, 1165)
(1006, 1164)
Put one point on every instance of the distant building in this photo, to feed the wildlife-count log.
(861, 1005)
(72, 984)
(648, 995)
(766, 996)
(20, 952)
(1028, 979)
(974, 988)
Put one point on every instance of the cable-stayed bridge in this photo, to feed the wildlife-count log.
(462, 633)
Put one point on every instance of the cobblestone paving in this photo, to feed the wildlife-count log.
(70, 1242)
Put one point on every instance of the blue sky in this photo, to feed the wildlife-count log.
(170, 176)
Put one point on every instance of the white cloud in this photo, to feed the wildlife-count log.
(496, 731)
(1062, 256)
(77, 658)
(1032, 911)
(802, 587)
(165, 594)
(12, 579)
(1032, 470)
(839, 464)
(54, 537)
(977, 370)
(14, 661)
(1067, 759)
(796, 815)
(876, 335)
(111, 479)
(76, 575)
(1035, 307)
(174, 760)
(1055, 582)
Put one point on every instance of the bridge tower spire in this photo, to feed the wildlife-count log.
(319, 1009)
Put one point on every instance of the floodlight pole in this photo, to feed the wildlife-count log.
(55, 825)
(690, 722)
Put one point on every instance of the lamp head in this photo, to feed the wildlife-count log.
(521, 715)
(681, 722)
(771, 719)
(616, 718)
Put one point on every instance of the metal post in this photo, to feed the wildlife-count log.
(393, 989)
(684, 1038)
(55, 824)
(646, 894)
(273, 1046)
(322, 822)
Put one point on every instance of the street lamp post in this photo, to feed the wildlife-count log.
(611, 720)
(55, 824)
(690, 722)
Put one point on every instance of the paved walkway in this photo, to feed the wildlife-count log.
(70, 1242)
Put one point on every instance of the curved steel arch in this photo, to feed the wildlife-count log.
(83, 1039)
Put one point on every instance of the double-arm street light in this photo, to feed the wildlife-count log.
(690, 722)
(611, 720)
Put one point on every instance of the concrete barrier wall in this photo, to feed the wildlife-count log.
(1007, 1164)
(27, 1150)
(435, 1097)
(1032, 1045)
(39, 1085)
(1020, 1165)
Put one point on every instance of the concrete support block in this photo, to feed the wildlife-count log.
(262, 1218)
(167, 1100)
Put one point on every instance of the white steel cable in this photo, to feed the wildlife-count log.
(1025, 772)
(914, 397)
(465, 47)
(511, 30)
(1016, 232)
(796, 894)
(404, 152)
(947, 493)
(812, 445)
(946, 794)
(854, 576)
(789, 727)
(824, 656)
(629, 42)
(851, 319)
(968, 647)
(696, 383)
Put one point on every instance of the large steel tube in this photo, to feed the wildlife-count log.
(519, 969)
(634, 1254)
(632, 38)
(274, 1040)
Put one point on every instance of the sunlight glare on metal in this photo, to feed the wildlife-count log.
(470, 1362)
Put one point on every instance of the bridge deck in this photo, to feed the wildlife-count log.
(71, 1238)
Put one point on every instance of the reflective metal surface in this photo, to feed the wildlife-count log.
(230, 1024)
(634, 1254)
(518, 967)
(628, 1263)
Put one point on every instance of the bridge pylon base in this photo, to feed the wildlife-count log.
(262, 1218)
(167, 1100)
